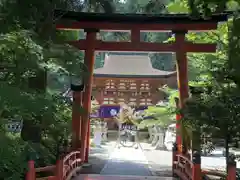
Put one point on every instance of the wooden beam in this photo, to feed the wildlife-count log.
(144, 46)
(88, 81)
(135, 36)
(135, 79)
(198, 26)
(190, 47)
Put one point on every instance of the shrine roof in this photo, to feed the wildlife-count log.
(130, 66)
(136, 18)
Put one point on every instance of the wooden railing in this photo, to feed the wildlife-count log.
(50, 169)
(186, 169)
(64, 169)
(183, 167)
(72, 164)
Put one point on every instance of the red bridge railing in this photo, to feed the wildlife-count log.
(64, 169)
(71, 164)
(183, 167)
(186, 169)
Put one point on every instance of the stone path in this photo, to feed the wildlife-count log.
(98, 157)
(127, 161)
(124, 164)
(159, 162)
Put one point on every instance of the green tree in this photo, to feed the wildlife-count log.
(215, 112)
(30, 46)
(159, 116)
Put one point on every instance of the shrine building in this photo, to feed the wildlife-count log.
(129, 79)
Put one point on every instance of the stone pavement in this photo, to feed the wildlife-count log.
(124, 164)
(159, 162)
(98, 157)
(127, 161)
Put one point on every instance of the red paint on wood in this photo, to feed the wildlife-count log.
(135, 36)
(196, 172)
(59, 170)
(31, 174)
(101, 99)
(231, 172)
(182, 77)
(145, 46)
(87, 143)
(89, 62)
(154, 80)
(198, 48)
(178, 137)
(76, 120)
(198, 26)
(182, 65)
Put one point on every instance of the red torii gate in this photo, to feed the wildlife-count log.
(92, 23)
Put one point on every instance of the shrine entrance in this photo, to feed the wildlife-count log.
(93, 23)
(178, 25)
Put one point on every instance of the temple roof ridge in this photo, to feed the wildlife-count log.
(129, 66)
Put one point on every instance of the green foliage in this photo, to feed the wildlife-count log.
(215, 112)
(172, 94)
(208, 7)
(54, 124)
(160, 116)
(178, 6)
(29, 45)
(12, 169)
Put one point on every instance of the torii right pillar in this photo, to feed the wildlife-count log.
(182, 77)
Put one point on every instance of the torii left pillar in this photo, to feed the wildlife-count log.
(91, 37)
